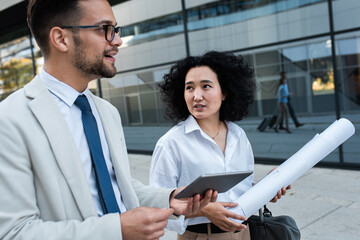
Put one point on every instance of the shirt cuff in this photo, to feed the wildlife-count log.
(178, 225)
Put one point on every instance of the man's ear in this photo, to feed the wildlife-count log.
(60, 39)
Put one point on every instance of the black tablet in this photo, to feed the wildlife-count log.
(218, 181)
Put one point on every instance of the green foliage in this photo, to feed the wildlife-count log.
(16, 73)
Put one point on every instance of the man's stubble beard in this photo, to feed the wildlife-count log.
(92, 68)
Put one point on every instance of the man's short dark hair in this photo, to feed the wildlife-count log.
(235, 77)
(43, 15)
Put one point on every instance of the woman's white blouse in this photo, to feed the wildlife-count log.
(186, 152)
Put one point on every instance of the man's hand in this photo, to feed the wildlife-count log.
(217, 213)
(191, 206)
(144, 223)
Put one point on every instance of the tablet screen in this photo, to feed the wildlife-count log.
(218, 181)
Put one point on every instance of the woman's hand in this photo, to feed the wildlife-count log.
(281, 192)
(191, 206)
(217, 213)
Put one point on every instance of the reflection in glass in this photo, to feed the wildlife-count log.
(320, 55)
(323, 98)
(161, 109)
(348, 55)
(269, 57)
(267, 63)
(268, 90)
(322, 83)
(294, 59)
(351, 88)
(16, 66)
(132, 103)
(349, 59)
(309, 74)
(148, 107)
(268, 71)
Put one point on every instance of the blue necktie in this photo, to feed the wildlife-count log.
(106, 192)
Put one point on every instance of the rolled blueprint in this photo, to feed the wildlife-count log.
(293, 168)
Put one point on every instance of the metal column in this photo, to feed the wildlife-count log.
(336, 79)
(184, 15)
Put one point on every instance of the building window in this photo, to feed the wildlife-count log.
(213, 14)
(16, 65)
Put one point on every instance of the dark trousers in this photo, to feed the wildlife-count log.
(292, 114)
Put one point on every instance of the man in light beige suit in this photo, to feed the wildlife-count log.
(47, 184)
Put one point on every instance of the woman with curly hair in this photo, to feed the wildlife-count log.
(203, 96)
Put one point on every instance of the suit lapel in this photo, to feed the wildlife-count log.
(66, 154)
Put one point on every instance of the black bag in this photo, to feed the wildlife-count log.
(267, 227)
(272, 121)
(263, 125)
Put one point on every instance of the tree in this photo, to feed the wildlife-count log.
(15, 73)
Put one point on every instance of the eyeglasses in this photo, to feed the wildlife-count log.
(110, 30)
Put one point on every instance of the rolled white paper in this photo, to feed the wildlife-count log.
(293, 168)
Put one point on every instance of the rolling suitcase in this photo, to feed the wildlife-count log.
(263, 124)
(272, 121)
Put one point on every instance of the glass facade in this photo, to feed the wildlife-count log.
(308, 61)
(309, 72)
(210, 15)
(348, 67)
(137, 96)
(294, 36)
(273, 36)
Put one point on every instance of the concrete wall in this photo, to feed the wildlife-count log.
(296, 23)
(4, 4)
(140, 10)
(346, 14)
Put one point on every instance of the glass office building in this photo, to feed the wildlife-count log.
(317, 42)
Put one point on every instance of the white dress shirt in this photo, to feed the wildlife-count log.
(186, 152)
(65, 97)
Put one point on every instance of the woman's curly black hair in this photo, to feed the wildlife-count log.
(235, 77)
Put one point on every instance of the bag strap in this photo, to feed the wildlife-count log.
(261, 215)
(266, 213)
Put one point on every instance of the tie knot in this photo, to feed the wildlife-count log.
(82, 102)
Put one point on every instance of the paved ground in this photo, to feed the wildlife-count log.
(267, 144)
(325, 203)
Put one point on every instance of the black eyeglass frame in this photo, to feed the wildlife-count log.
(114, 30)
